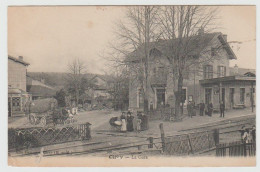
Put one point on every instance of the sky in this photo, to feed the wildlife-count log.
(50, 37)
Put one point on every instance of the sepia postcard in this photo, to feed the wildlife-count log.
(132, 86)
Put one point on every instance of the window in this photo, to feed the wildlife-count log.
(242, 95)
(221, 71)
(213, 52)
(16, 103)
(208, 71)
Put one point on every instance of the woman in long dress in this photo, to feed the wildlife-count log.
(129, 125)
(138, 125)
(123, 126)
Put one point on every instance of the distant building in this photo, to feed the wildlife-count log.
(38, 89)
(103, 84)
(17, 95)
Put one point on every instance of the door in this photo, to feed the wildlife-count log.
(242, 95)
(160, 93)
(231, 97)
(208, 95)
(141, 99)
(223, 95)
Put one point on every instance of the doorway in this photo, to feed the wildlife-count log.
(242, 95)
(208, 95)
(160, 93)
(231, 97)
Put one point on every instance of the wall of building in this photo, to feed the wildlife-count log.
(16, 75)
(227, 86)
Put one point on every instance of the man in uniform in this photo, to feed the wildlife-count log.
(222, 109)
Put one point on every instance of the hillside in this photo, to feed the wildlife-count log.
(54, 79)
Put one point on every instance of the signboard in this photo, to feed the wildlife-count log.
(190, 98)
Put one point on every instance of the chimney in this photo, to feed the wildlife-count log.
(225, 37)
(236, 69)
(20, 58)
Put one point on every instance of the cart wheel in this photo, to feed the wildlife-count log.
(32, 119)
(43, 121)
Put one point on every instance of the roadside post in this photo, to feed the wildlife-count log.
(162, 136)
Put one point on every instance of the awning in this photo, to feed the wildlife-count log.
(14, 91)
(227, 79)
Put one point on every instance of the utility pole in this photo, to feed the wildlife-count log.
(194, 89)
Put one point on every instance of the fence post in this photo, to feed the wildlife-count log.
(244, 145)
(208, 139)
(150, 139)
(216, 136)
(162, 136)
(190, 143)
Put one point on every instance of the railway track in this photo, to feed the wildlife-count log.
(226, 125)
(105, 147)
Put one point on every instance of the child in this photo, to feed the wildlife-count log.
(138, 127)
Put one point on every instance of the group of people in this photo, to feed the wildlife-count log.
(248, 134)
(206, 109)
(130, 123)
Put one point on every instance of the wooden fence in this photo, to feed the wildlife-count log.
(238, 148)
(191, 143)
(33, 137)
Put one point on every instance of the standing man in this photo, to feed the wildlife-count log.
(210, 109)
(189, 109)
(222, 109)
(202, 107)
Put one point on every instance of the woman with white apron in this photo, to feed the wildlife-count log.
(123, 126)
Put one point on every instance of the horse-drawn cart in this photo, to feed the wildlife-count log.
(45, 112)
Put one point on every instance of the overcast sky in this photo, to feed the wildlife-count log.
(50, 37)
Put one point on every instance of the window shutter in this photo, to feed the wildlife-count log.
(211, 71)
(204, 72)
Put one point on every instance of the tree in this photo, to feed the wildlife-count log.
(75, 78)
(138, 30)
(61, 98)
(182, 25)
(120, 89)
